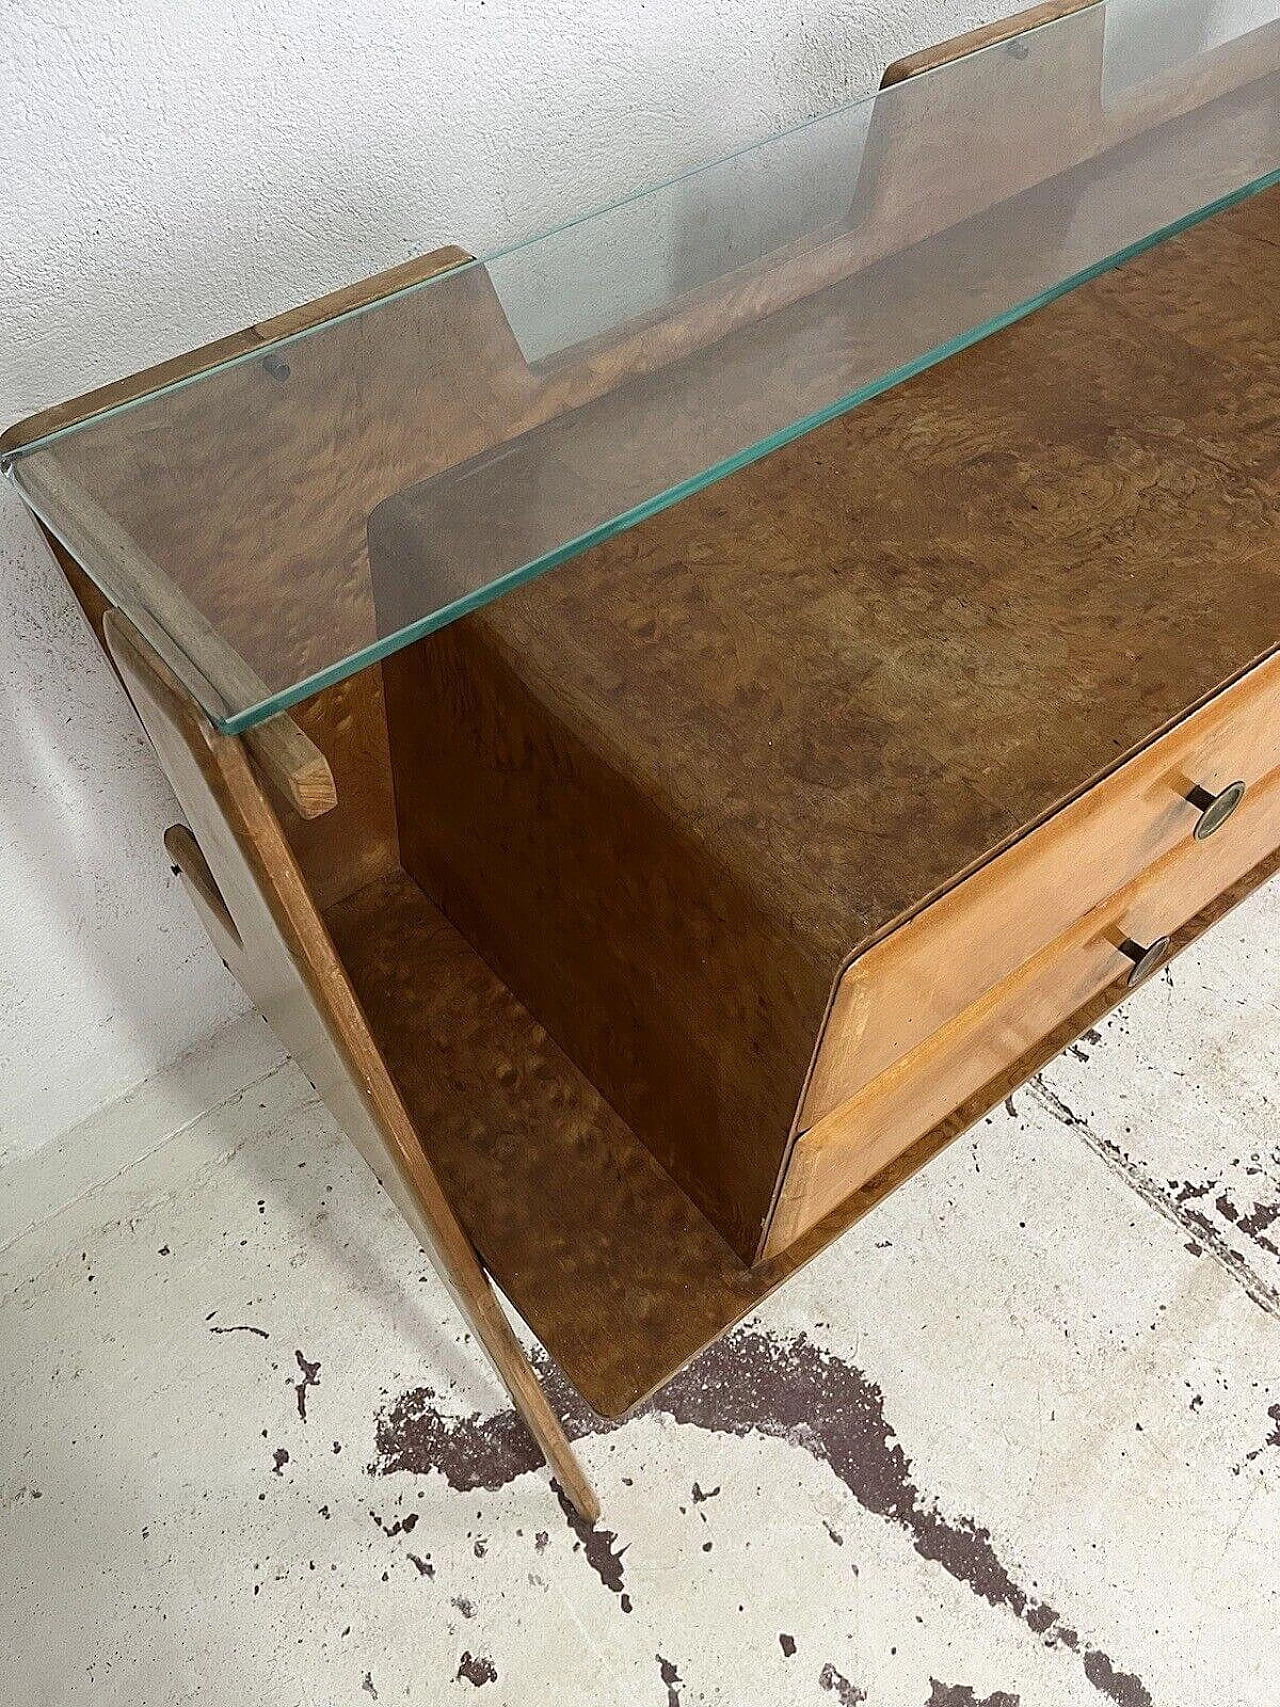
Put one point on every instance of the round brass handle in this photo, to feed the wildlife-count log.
(1145, 960)
(1215, 809)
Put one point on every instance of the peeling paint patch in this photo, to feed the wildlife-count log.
(671, 1677)
(597, 1545)
(478, 1669)
(749, 1383)
(310, 1378)
(846, 1693)
(961, 1695)
(1172, 1200)
(1273, 1439)
(402, 1526)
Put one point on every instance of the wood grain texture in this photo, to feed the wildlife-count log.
(135, 478)
(606, 1259)
(928, 970)
(251, 895)
(976, 1043)
(177, 369)
(670, 789)
(294, 765)
(973, 41)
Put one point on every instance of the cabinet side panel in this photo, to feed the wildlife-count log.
(609, 918)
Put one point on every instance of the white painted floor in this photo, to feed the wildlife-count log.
(1013, 1442)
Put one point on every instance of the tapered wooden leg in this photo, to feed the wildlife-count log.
(247, 887)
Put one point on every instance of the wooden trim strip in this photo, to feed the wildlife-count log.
(242, 868)
(294, 764)
(76, 410)
(973, 41)
(184, 850)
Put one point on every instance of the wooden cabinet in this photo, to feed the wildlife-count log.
(751, 805)
(953, 999)
(913, 622)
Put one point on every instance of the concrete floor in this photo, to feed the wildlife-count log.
(1013, 1442)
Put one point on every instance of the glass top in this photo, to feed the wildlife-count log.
(303, 508)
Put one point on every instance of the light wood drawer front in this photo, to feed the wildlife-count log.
(939, 962)
(926, 1084)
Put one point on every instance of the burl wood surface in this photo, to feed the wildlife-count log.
(602, 1254)
(669, 789)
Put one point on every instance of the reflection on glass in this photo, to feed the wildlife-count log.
(294, 514)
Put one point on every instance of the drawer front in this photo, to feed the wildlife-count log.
(979, 1044)
(937, 964)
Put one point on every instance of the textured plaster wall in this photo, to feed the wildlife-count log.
(170, 171)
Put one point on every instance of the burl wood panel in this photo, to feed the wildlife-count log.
(668, 790)
(254, 552)
(605, 1258)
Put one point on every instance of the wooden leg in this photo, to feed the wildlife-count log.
(247, 887)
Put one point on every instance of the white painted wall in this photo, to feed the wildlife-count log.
(173, 169)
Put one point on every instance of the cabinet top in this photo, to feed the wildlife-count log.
(244, 504)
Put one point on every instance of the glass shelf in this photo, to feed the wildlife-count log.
(321, 497)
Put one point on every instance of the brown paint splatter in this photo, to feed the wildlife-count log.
(846, 1693)
(280, 1458)
(1171, 1201)
(402, 1526)
(671, 1677)
(961, 1695)
(744, 1384)
(1121, 1686)
(478, 1669)
(242, 1328)
(1273, 1439)
(786, 1643)
(597, 1545)
(367, 1685)
(1257, 1221)
(310, 1378)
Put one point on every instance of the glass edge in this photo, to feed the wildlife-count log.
(10, 458)
(386, 647)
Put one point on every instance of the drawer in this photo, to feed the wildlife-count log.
(938, 963)
(979, 1044)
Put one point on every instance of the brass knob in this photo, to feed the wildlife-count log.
(1215, 809)
(1145, 960)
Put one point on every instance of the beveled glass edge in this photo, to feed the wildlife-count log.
(10, 458)
(392, 643)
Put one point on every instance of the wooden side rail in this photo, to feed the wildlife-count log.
(286, 324)
(973, 41)
(261, 916)
(292, 763)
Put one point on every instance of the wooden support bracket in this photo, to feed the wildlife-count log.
(249, 891)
